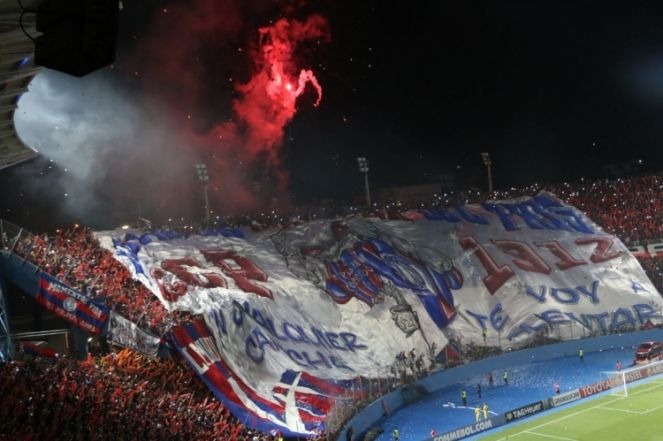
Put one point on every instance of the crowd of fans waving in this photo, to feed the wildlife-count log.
(73, 255)
(124, 395)
(120, 396)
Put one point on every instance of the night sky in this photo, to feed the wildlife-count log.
(419, 88)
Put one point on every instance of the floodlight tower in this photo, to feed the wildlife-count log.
(487, 162)
(363, 167)
(203, 177)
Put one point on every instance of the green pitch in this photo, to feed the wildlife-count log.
(609, 418)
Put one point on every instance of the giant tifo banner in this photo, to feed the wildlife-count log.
(289, 315)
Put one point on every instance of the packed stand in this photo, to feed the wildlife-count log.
(73, 255)
(654, 268)
(630, 208)
(121, 396)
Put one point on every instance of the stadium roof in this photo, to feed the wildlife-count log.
(17, 69)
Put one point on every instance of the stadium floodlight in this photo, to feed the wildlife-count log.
(488, 163)
(203, 177)
(363, 167)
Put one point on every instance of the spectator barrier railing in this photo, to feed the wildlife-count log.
(10, 235)
(6, 346)
(50, 337)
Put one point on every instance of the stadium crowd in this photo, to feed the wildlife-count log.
(124, 395)
(120, 396)
(653, 266)
(75, 256)
(631, 209)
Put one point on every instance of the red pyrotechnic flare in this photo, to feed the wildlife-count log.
(277, 43)
(247, 144)
(268, 100)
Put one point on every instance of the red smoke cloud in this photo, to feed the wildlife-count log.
(267, 102)
(193, 58)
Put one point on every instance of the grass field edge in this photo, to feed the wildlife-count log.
(569, 408)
